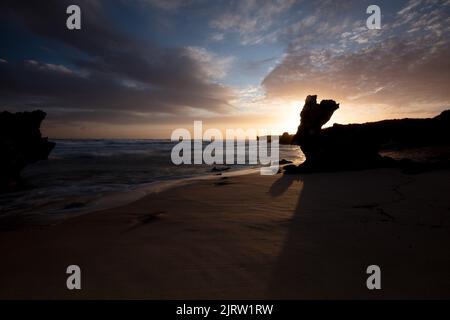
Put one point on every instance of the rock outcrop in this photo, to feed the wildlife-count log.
(286, 138)
(357, 146)
(21, 144)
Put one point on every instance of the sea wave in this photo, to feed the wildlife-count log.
(87, 175)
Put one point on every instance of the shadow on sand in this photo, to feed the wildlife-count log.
(331, 240)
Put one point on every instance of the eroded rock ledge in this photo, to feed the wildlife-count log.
(357, 146)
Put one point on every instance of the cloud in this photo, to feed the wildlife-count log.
(101, 73)
(399, 72)
(213, 66)
(49, 67)
(166, 4)
(114, 72)
(217, 36)
(48, 86)
(412, 4)
(250, 19)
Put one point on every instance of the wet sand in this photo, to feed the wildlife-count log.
(256, 237)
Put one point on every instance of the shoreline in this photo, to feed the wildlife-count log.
(247, 237)
(111, 200)
(120, 199)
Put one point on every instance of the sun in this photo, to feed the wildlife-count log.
(292, 117)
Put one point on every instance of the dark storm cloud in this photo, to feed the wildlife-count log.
(114, 73)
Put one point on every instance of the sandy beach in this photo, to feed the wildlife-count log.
(250, 237)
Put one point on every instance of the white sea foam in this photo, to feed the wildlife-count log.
(87, 175)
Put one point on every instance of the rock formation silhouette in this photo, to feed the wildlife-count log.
(286, 138)
(357, 146)
(21, 144)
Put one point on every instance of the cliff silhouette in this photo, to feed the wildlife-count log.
(357, 146)
(21, 144)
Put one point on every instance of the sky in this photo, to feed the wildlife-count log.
(143, 68)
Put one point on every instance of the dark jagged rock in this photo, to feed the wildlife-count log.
(286, 138)
(21, 144)
(357, 146)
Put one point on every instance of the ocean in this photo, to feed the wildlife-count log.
(87, 175)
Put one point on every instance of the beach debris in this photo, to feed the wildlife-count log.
(357, 146)
(21, 144)
(220, 168)
(284, 161)
(222, 181)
